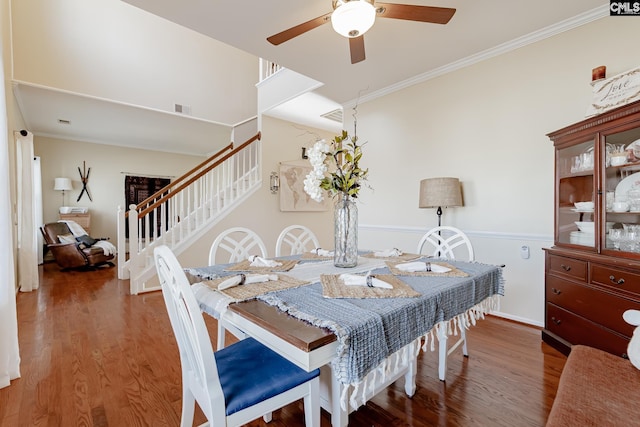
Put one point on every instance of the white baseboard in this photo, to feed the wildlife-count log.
(517, 319)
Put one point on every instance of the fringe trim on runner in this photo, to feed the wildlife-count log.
(362, 390)
(357, 394)
(454, 325)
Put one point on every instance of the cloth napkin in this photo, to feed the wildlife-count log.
(368, 280)
(246, 279)
(257, 261)
(388, 253)
(322, 252)
(422, 266)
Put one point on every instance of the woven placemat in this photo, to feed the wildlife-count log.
(252, 290)
(333, 287)
(311, 255)
(401, 258)
(245, 265)
(453, 273)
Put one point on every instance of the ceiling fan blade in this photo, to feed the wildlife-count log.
(292, 32)
(356, 46)
(435, 15)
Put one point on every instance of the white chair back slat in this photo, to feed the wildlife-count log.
(298, 239)
(444, 240)
(239, 243)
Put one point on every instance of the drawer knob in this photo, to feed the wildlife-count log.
(556, 291)
(556, 321)
(615, 281)
(565, 267)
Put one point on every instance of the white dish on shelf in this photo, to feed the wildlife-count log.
(586, 226)
(634, 146)
(584, 205)
(580, 238)
(583, 210)
(618, 160)
(625, 185)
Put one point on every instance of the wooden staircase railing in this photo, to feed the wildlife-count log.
(180, 212)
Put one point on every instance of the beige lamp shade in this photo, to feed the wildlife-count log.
(440, 192)
(62, 184)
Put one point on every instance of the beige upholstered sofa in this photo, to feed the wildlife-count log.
(600, 389)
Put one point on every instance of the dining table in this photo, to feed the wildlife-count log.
(363, 338)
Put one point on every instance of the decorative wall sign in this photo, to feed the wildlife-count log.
(292, 194)
(615, 92)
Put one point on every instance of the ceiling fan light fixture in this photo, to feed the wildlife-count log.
(353, 18)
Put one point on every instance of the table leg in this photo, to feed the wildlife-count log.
(442, 350)
(339, 417)
(410, 377)
(463, 337)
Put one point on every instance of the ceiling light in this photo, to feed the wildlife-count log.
(353, 18)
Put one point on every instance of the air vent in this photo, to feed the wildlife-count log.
(335, 115)
(182, 109)
(64, 121)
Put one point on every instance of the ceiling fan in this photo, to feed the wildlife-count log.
(353, 18)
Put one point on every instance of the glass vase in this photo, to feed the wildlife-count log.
(345, 233)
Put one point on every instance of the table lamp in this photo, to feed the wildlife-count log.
(439, 193)
(62, 184)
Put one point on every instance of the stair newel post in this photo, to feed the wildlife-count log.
(134, 249)
(123, 272)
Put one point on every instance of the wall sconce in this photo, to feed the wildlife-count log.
(274, 182)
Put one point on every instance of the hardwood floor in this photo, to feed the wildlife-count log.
(94, 356)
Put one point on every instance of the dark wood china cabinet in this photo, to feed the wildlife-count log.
(592, 273)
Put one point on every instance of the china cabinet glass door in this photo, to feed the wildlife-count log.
(621, 190)
(575, 194)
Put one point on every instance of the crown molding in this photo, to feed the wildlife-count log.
(536, 36)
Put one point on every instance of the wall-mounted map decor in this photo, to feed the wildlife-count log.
(292, 194)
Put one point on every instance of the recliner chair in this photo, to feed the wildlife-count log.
(72, 254)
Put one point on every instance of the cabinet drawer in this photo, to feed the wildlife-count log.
(570, 267)
(614, 278)
(578, 330)
(598, 306)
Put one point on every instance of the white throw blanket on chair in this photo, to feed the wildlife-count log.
(76, 229)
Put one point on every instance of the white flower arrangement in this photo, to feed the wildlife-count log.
(347, 176)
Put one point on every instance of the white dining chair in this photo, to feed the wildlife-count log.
(238, 243)
(442, 242)
(298, 239)
(238, 384)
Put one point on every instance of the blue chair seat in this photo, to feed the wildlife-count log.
(249, 373)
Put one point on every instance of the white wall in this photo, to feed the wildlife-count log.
(106, 182)
(486, 124)
(112, 50)
(281, 141)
